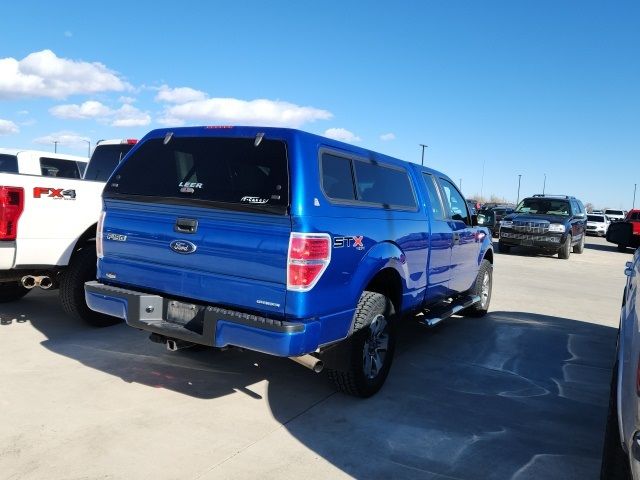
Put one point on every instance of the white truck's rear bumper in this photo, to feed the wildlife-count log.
(7, 255)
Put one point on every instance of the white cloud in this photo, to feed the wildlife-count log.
(388, 137)
(7, 127)
(44, 74)
(341, 134)
(88, 109)
(179, 95)
(68, 33)
(265, 112)
(130, 116)
(127, 100)
(70, 139)
(125, 116)
(23, 112)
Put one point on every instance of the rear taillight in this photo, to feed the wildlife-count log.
(130, 141)
(11, 206)
(309, 256)
(99, 236)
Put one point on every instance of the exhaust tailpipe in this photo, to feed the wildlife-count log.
(44, 282)
(309, 361)
(174, 345)
(28, 281)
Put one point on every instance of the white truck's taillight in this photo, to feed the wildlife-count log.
(11, 207)
(99, 236)
(309, 256)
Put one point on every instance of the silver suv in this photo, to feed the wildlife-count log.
(597, 224)
(621, 455)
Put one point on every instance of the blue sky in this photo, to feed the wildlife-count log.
(523, 87)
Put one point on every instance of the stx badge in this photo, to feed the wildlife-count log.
(355, 241)
(57, 193)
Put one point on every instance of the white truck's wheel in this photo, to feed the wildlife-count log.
(81, 269)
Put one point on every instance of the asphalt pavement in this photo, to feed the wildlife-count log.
(519, 394)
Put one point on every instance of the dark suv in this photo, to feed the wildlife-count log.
(552, 223)
(491, 216)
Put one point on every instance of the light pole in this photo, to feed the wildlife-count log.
(482, 181)
(423, 147)
(518, 200)
(55, 146)
(460, 183)
(88, 142)
(544, 184)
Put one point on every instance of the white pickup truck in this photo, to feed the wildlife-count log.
(48, 217)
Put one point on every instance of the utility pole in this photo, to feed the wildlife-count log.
(423, 147)
(518, 200)
(88, 142)
(55, 146)
(460, 184)
(544, 184)
(482, 181)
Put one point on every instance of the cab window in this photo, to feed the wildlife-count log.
(454, 202)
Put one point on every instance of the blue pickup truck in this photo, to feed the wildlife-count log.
(287, 243)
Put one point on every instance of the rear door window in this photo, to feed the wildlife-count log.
(8, 163)
(56, 167)
(437, 209)
(229, 172)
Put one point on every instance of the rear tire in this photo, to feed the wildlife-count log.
(565, 249)
(579, 247)
(12, 291)
(482, 287)
(503, 248)
(371, 348)
(615, 464)
(81, 269)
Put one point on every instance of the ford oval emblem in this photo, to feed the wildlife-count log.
(182, 246)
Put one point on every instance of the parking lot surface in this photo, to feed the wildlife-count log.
(519, 394)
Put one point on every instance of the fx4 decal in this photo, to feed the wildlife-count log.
(57, 193)
(353, 241)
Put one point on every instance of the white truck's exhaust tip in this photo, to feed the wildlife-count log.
(44, 282)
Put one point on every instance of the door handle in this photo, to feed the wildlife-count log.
(456, 238)
(186, 225)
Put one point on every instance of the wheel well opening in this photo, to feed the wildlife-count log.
(89, 235)
(489, 256)
(388, 283)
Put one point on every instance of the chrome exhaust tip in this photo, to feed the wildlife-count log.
(174, 345)
(309, 361)
(45, 283)
(28, 281)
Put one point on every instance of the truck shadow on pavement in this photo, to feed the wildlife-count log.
(513, 395)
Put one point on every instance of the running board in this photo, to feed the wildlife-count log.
(434, 317)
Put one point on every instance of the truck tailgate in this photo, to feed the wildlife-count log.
(236, 259)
